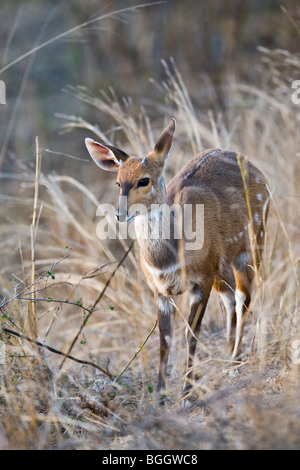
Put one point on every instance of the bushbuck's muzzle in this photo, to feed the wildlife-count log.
(122, 213)
(121, 216)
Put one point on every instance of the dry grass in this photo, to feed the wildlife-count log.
(253, 405)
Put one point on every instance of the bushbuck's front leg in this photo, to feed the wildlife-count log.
(198, 300)
(165, 313)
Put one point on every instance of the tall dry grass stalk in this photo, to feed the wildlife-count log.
(67, 267)
(33, 232)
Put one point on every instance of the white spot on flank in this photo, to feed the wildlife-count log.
(262, 234)
(257, 217)
(242, 260)
(257, 179)
(241, 234)
(259, 197)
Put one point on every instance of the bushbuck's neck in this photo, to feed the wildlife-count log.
(157, 233)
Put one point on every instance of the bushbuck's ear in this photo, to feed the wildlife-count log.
(107, 157)
(119, 154)
(163, 145)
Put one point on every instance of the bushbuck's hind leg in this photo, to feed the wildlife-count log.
(243, 273)
(224, 284)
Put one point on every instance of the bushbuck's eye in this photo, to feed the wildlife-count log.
(143, 182)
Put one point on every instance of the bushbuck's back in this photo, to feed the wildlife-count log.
(214, 178)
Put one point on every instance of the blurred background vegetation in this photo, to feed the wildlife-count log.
(209, 41)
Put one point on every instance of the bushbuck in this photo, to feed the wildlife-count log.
(234, 197)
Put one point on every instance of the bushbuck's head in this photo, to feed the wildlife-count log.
(141, 180)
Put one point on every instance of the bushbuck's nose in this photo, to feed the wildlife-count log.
(121, 213)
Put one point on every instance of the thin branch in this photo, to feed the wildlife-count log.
(96, 302)
(4, 303)
(134, 356)
(66, 155)
(50, 300)
(56, 351)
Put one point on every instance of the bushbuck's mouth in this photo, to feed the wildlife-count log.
(128, 218)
